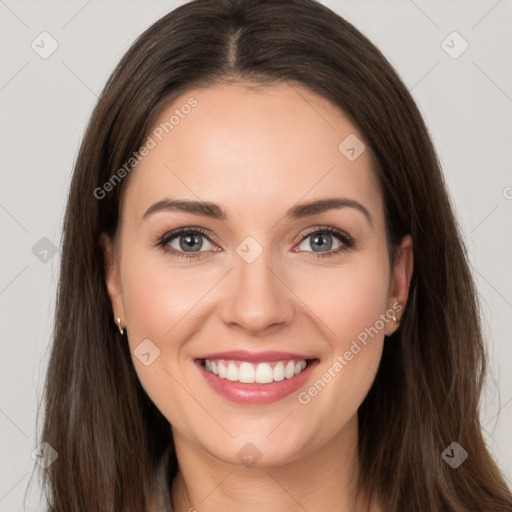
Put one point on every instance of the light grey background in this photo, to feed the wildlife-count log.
(46, 103)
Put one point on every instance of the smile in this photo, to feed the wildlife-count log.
(262, 379)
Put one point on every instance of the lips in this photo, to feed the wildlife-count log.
(255, 377)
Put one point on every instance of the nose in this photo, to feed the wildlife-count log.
(257, 297)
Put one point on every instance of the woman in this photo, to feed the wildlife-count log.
(264, 299)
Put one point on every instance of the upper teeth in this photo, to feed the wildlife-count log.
(249, 373)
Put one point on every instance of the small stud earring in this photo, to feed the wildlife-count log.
(395, 319)
(121, 330)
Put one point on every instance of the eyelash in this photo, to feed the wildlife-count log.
(346, 240)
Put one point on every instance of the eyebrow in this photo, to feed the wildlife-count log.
(298, 211)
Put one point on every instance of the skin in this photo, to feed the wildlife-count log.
(256, 152)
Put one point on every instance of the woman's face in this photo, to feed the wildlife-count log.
(264, 275)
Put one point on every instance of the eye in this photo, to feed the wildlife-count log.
(185, 242)
(320, 240)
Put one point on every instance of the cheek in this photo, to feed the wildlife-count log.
(156, 296)
(159, 303)
(348, 299)
(348, 303)
(165, 301)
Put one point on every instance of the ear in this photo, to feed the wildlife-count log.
(112, 277)
(401, 278)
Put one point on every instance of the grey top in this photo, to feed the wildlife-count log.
(164, 492)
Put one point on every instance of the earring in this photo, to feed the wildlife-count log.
(395, 319)
(121, 330)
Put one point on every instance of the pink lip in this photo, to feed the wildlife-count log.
(256, 393)
(256, 357)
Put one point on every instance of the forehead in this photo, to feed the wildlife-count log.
(253, 148)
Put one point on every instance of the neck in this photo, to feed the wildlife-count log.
(314, 481)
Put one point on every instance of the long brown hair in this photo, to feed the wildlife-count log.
(108, 434)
